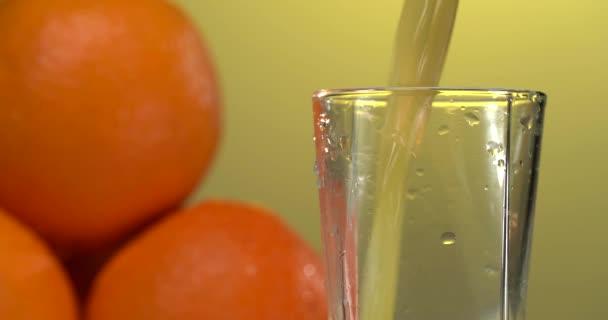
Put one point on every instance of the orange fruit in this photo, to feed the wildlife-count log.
(32, 283)
(217, 260)
(110, 115)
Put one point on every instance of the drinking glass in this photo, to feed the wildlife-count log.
(427, 200)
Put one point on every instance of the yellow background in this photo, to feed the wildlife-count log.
(271, 54)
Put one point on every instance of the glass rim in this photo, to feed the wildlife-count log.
(324, 93)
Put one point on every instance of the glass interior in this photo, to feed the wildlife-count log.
(427, 199)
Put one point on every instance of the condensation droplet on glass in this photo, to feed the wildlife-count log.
(448, 238)
(443, 130)
(315, 168)
(323, 121)
(494, 148)
(492, 107)
(420, 172)
(397, 137)
(314, 139)
(326, 150)
(343, 143)
(486, 188)
(412, 193)
(501, 163)
(463, 108)
(333, 155)
(471, 118)
(537, 98)
(526, 122)
(334, 231)
(490, 270)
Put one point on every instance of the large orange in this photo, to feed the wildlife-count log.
(32, 283)
(218, 260)
(109, 114)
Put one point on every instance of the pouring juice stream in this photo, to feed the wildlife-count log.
(422, 41)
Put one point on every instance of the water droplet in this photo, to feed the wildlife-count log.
(448, 238)
(492, 107)
(451, 100)
(486, 188)
(537, 98)
(501, 163)
(524, 284)
(333, 155)
(426, 188)
(412, 193)
(334, 231)
(344, 143)
(323, 121)
(494, 148)
(490, 270)
(471, 119)
(463, 108)
(326, 150)
(398, 138)
(443, 130)
(315, 169)
(526, 122)
(420, 172)
(314, 139)
(521, 163)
